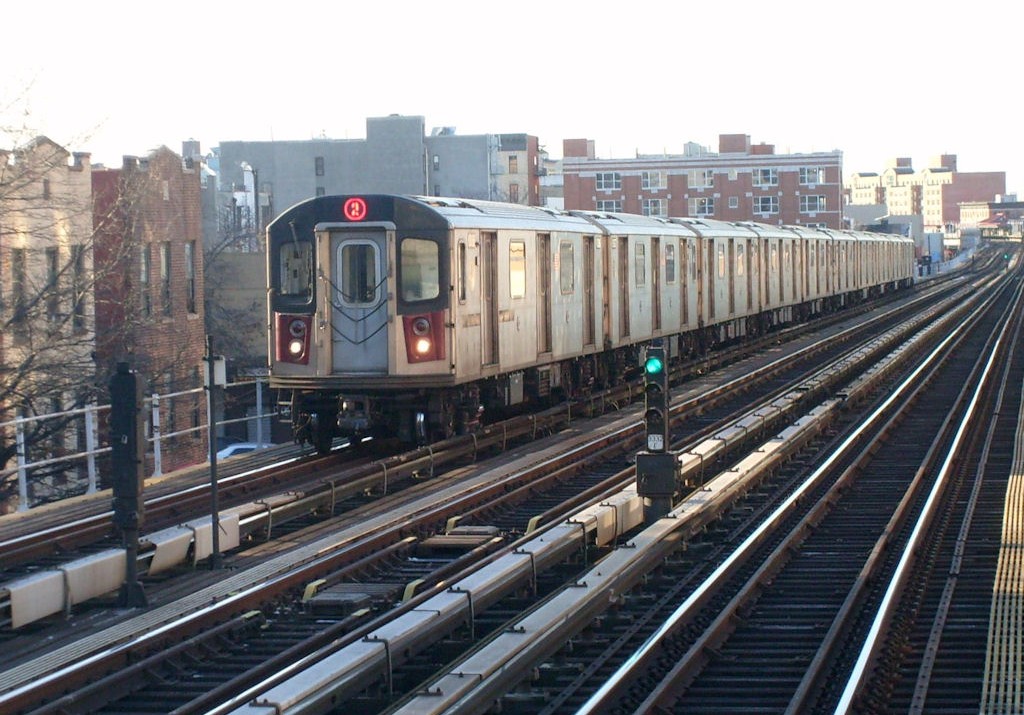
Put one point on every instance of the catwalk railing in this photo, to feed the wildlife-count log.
(77, 448)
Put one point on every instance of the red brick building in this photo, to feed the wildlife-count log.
(149, 289)
(741, 182)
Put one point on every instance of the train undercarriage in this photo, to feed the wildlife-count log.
(422, 415)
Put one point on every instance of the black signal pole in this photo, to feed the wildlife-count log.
(128, 449)
(213, 365)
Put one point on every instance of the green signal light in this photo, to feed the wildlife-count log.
(654, 365)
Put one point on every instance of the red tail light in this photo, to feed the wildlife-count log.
(424, 337)
(293, 334)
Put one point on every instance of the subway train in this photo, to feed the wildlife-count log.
(419, 317)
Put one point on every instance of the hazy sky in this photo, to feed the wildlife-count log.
(873, 79)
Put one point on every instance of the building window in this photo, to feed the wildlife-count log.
(733, 174)
(566, 268)
(517, 269)
(321, 191)
(19, 286)
(701, 178)
(609, 206)
(513, 164)
(513, 193)
(608, 180)
(437, 162)
(165, 277)
(46, 188)
(812, 204)
(144, 273)
(166, 189)
(190, 276)
(702, 207)
(52, 271)
(653, 180)
(765, 177)
(811, 175)
(734, 202)
(766, 204)
(670, 263)
(78, 280)
(318, 165)
(654, 207)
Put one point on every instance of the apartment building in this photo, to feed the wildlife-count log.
(259, 179)
(47, 334)
(150, 287)
(740, 182)
(936, 193)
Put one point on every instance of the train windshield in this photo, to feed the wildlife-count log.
(297, 270)
(420, 270)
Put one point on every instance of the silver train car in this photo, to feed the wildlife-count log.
(414, 316)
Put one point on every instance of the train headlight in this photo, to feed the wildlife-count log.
(421, 327)
(297, 329)
(423, 346)
(295, 347)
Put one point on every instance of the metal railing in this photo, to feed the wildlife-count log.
(87, 419)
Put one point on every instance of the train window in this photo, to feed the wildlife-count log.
(296, 269)
(566, 268)
(517, 269)
(358, 272)
(721, 260)
(420, 269)
(670, 263)
(462, 271)
(740, 260)
(640, 264)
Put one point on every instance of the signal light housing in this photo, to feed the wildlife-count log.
(656, 409)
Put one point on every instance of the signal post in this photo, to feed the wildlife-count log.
(657, 468)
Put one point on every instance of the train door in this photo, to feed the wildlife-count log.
(489, 298)
(751, 268)
(588, 290)
(543, 293)
(605, 246)
(698, 266)
(766, 281)
(359, 314)
(656, 283)
(685, 246)
(712, 282)
(802, 269)
(623, 287)
(732, 266)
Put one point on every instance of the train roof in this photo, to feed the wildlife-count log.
(484, 214)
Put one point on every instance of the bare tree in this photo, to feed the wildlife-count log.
(47, 334)
(66, 258)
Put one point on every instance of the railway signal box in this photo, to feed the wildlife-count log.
(127, 446)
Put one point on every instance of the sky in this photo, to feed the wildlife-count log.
(875, 80)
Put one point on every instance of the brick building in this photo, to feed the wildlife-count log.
(742, 181)
(935, 193)
(149, 288)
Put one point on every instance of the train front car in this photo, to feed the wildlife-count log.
(357, 299)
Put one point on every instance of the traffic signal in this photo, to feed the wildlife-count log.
(656, 398)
